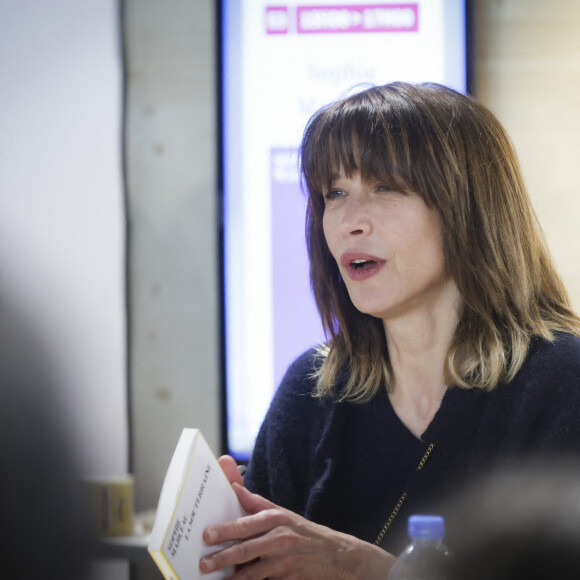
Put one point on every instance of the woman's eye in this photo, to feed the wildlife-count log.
(382, 188)
(333, 194)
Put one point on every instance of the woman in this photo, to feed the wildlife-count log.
(451, 340)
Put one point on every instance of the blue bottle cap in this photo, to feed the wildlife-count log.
(426, 527)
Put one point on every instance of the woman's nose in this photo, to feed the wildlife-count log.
(356, 218)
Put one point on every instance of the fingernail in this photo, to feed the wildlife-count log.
(210, 535)
(207, 565)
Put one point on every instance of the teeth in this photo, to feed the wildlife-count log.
(359, 263)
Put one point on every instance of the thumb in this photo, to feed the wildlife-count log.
(252, 502)
(230, 468)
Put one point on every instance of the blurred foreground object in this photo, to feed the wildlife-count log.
(519, 523)
(43, 515)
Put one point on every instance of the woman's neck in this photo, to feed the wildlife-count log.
(418, 347)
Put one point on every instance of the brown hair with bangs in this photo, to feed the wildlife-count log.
(456, 155)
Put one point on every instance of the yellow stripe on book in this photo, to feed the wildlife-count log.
(164, 565)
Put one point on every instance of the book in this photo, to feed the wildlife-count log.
(195, 494)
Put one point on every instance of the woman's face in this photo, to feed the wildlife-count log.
(388, 246)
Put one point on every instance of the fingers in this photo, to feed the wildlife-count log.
(266, 528)
(234, 555)
(252, 502)
(230, 468)
(258, 522)
(245, 527)
(279, 539)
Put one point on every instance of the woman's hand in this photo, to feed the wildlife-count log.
(276, 543)
(230, 468)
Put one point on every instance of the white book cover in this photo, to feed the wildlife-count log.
(195, 494)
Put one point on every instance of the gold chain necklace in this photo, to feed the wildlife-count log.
(402, 498)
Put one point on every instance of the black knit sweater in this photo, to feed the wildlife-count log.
(346, 465)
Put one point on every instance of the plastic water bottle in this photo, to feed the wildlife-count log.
(425, 558)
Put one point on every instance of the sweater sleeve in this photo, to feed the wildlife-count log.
(277, 469)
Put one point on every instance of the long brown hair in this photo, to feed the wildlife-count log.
(452, 151)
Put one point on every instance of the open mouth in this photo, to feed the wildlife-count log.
(359, 266)
(362, 264)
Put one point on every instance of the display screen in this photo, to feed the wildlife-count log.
(280, 63)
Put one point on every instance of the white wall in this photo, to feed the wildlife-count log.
(61, 207)
(61, 220)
